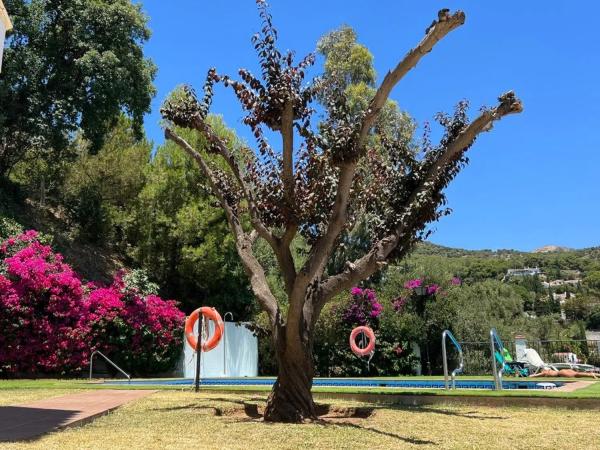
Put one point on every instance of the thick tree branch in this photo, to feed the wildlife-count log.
(284, 255)
(282, 251)
(219, 146)
(254, 270)
(287, 134)
(403, 237)
(437, 31)
(322, 249)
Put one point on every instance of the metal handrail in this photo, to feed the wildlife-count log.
(224, 342)
(496, 341)
(98, 352)
(461, 365)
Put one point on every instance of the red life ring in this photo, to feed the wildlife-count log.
(369, 348)
(211, 314)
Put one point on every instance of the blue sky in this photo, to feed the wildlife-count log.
(532, 181)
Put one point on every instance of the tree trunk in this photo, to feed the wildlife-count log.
(291, 398)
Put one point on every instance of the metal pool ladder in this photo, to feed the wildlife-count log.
(98, 352)
(448, 334)
(495, 341)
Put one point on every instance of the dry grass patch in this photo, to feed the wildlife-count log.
(208, 420)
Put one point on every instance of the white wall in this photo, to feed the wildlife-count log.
(240, 360)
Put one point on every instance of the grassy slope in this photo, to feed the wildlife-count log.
(91, 262)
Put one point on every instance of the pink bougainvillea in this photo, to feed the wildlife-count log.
(399, 303)
(413, 284)
(455, 281)
(50, 322)
(433, 289)
(363, 306)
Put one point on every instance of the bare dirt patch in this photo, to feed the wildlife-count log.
(325, 412)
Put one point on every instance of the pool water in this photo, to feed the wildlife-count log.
(347, 382)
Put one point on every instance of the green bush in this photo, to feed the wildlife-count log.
(9, 228)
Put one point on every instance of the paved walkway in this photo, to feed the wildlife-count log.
(574, 386)
(29, 421)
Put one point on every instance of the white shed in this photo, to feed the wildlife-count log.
(235, 356)
(5, 25)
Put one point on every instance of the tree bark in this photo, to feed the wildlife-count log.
(291, 398)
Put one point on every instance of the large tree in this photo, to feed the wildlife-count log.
(320, 187)
(70, 65)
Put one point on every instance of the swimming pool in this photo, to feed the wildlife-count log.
(346, 382)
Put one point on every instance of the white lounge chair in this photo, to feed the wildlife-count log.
(536, 364)
(534, 361)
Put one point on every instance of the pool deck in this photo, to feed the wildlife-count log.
(574, 386)
(492, 401)
(32, 420)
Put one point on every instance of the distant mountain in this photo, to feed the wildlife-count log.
(429, 248)
(552, 249)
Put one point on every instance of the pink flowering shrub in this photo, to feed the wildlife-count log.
(363, 307)
(41, 327)
(413, 284)
(50, 322)
(144, 334)
(399, 303)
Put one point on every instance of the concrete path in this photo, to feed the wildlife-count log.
(31, 420)
(572, 386)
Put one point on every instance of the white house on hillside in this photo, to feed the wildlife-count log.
(5, 25)
(526, 272)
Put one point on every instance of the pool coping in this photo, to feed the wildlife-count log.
(491, 401)
(564, 385)
(573, 386)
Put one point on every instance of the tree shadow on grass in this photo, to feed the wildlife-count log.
(250, 409)
(445, 412)
(408, 440)
(339, 424)
(193, 406)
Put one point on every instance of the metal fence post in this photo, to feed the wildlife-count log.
(225, 341)
(198, 353)
(493, 356)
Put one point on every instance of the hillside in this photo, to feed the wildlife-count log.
(92, 262)
(429, 248)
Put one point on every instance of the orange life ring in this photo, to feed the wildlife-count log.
(369, 348)
(211, 314)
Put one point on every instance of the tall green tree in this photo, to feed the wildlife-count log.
(70, 65)
(180, 236)
(101, 190)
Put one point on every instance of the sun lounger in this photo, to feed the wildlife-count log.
(536, 364)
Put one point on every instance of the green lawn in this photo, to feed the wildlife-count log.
(210, 420)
